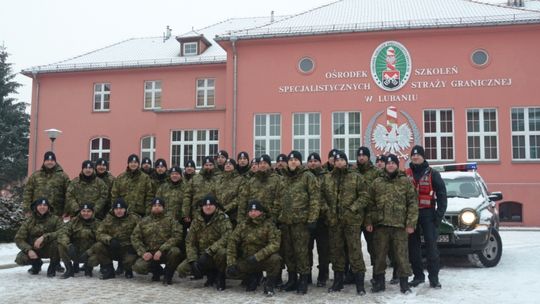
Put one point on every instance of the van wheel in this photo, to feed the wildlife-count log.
(491, 255)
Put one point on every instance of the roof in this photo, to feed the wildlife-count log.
(346, 16)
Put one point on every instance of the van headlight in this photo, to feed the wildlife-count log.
(468, 217)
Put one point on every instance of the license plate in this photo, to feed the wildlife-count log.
(443, 238)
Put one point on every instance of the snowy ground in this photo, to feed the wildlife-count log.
(515, 280)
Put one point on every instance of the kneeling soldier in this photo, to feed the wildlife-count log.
(75, 240)
(37, 238)
(206, 244)
(253, 247)
(156, 239)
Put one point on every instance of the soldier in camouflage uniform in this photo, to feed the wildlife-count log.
(159, 176)
(198, 187)
(87, 188)
(345, 192)
(36, 238)
(102, 172)
(75, 240)
(253, 167)
(243, 164)
(49, 182)
(172, 191)
(392, 216)
(146, 166)
(189, 170)
(114, 241)
(380, 161)
(156, 240)
(281, 164)
(321, 233)
(298, 219)
(329, 165)
(253, 247)
(134, 187)
(206, 244)
(228, 189)
(221, 157)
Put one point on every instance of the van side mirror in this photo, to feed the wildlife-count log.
(495, 196)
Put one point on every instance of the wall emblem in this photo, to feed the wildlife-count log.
(391, 66)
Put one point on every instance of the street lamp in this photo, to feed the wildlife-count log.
(53, 134)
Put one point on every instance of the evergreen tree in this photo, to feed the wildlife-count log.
(14, 127)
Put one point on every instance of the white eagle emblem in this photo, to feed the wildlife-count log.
(393, 141)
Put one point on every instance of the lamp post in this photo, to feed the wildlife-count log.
(53, 134)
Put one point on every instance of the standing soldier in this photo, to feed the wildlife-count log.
(298, 219)
(228, 189)
(432, 204)
(134, 186)
(253, 247)
(36, 238)
(102, 172)
(146, 166)
(221, 157)
(281, 164)
(114, 241)
(321, 233)
(49, 182)
(254, 167)
(329, 165)
(172, 191)
(206, 244)
(346, 194)
(391, 218)
(156, 240)
(198, 187)
(243, 164)
(380, 161)
(75, 240)
(189, 170)
(87, 188)
(159, 176)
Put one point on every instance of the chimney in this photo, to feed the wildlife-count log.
(272, 17)
(517, 3)
(167, 34)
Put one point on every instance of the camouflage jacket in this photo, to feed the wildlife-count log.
(228, 191)
(79, 232)
(136, 189)
(82, 191)
(156, 232)
(259, 237)
(347, 197)
(173, 194)
(208, 237)
(36, 226)
(300, 197)
(118, 228)
(320, 174)
(50, 184)
(108, 178)
(368, 171)
(157, 181)
(393, 202)
(197, 188)
(265, 187)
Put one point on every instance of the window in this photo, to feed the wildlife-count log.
(306, 65)
(267, 139)
(346, 132)
(206, 92)
(526, 133)
(100, 148)
(190, 48)
(480, 57)
(148, 147)
(193, 144)
(307, 133)
(152, 94)
(511, 212)
(439, 134)
(102, 96)
(482, 134)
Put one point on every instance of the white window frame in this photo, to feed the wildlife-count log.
(99, 151)
(153, 91)
(306, 136)
(527, 133)
(482, 133)
(438, 135)
(266, 137)
(187, 45)
(195, 142)
(101, 93)
(151, 150)
(347, 136)
(205, 88)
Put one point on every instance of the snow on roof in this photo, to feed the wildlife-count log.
(369, 15)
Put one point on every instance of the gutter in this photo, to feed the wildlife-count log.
(234, 39)
(36, 120)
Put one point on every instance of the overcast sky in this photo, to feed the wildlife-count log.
(38, 32)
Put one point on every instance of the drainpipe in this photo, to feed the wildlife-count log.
(235, 92)
(36, 118)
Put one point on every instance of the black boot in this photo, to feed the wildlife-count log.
(279, 281)
(303, 284)
(210, 278)
(76, 268)
(69, 271)
(157, 271)
(292, 282)
(359, 280)
(269, 286)
(88, 270)
(309, 278)
(434, 282)
(51, 271)
(36, 266)
(58, 267)
(107, 272)
(168, 274)
(416, 281)
(380, 283)
(119, 268)
(220, 281)
(395, 278)
(252, 281)
(404, 285)
(338, 282)
(322, 277)
(128, 274)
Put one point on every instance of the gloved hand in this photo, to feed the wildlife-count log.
(196, 270)
(251, 259)
(312, 228)
(115, 244)
(72, 251)
(232, 271)
(204, 260)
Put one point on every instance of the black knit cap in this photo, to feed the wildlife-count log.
(332, 153)
(341, 155)
(314, 156)
(40, 201)
(119, 203)
(87, 164)
(363, 151)
(282, 157)
(231, 161)
(133, 158)
(160, 162)
(255, 161)
(208, 199)
(265, 158)
(223, 153)
(158, 201)
(392, 158)
(190, 163)
(255, 205)
(208, 159)
(175, 169)
(418, 150)
(243, 154)
(146, 160)
(295, 154)
(49, 155)
(381, 157)
(86, 206)
(102, 162)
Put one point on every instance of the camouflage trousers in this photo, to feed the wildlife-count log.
(80, 249)
(218, 262)
(386, 238)
(272, 266)
(294, 247)
(103, 255)
(171, 258)
(344, 242)
(49, 250)
(323, 245)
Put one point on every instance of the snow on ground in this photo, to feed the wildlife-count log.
(515, 280)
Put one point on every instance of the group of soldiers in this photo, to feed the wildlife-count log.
(238, 219)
